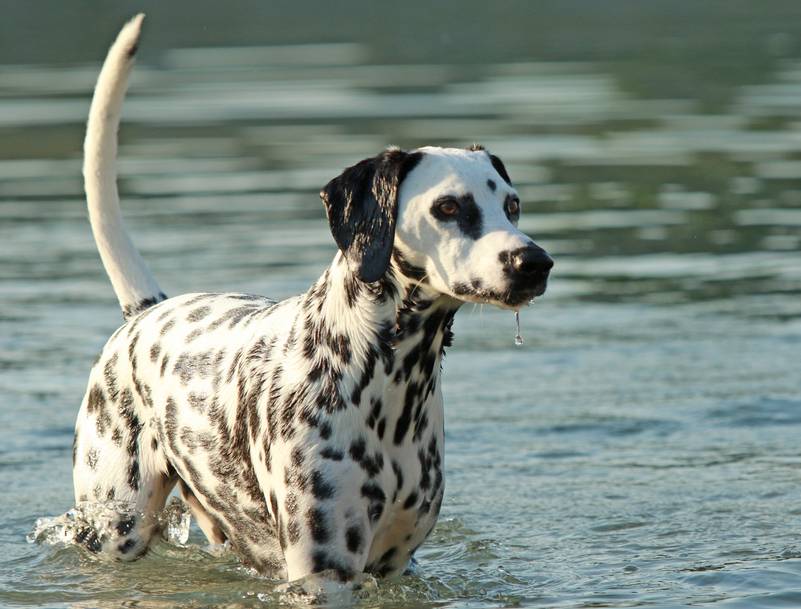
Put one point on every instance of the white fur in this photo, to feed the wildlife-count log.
(440, 248)
(265, 413)
(132, 281)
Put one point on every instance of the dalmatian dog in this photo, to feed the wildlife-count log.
(306, 433)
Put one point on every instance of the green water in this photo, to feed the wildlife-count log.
(640, 449)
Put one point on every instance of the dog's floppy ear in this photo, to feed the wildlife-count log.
(362, 205)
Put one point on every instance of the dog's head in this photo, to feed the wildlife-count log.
(448, 215)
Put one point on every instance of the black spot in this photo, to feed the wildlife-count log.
(282, 535)
(325, 430)
(375, 412)
(321, 489)
(198, 314)
(353, 538)
(133, 475)
(367, 374)
(197, 401)
(296, 478)
(425, 466)
(274, 505)
(130, 310)
(398, 474)
(167, 327)
(376, 497)
(109, 373)
(316, 520)
(373, 492)
(297, 456)
(388, 555)
(322, 562)
(405, 419)
(155, 349)
(373, 465)
(353, 288)
(411, 359)
(291, 503)
(126, 546)
(411, 500)
(406, 268)
(234, 316)
(92, 458)
(190, 365)
(340, 345)
(492, 185)
(332, 454)
(357, 449)
(193, 335)
(499, 167)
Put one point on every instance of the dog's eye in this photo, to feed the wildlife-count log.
(448, 207)
(512, 207)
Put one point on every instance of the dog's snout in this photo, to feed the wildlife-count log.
(531, 261)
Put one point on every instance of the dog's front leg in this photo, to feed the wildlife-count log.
(326, 512)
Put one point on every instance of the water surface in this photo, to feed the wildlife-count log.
(640, 449)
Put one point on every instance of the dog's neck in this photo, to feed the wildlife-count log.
(393, 331)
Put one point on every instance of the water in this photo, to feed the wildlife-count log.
(518, 336)
(641, 449)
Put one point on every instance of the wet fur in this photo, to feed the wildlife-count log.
(308, 433)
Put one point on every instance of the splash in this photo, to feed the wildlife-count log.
(518, 337)
(174, 519)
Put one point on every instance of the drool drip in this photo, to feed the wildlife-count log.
(518, 338)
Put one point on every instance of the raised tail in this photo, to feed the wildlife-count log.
(134, 285)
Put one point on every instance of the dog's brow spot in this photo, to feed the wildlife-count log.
(492, 185)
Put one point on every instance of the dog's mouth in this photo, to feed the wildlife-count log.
(514, 297)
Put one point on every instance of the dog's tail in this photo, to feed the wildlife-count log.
(134, 285)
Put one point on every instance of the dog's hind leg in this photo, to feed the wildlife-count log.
(209, 526)
(120, 475)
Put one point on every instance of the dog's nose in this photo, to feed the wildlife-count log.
(531, 261)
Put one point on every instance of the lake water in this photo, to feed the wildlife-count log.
(641, 449)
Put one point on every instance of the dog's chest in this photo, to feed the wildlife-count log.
(411, 513)
(414, 484)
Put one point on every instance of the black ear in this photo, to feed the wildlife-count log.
(362, 205)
